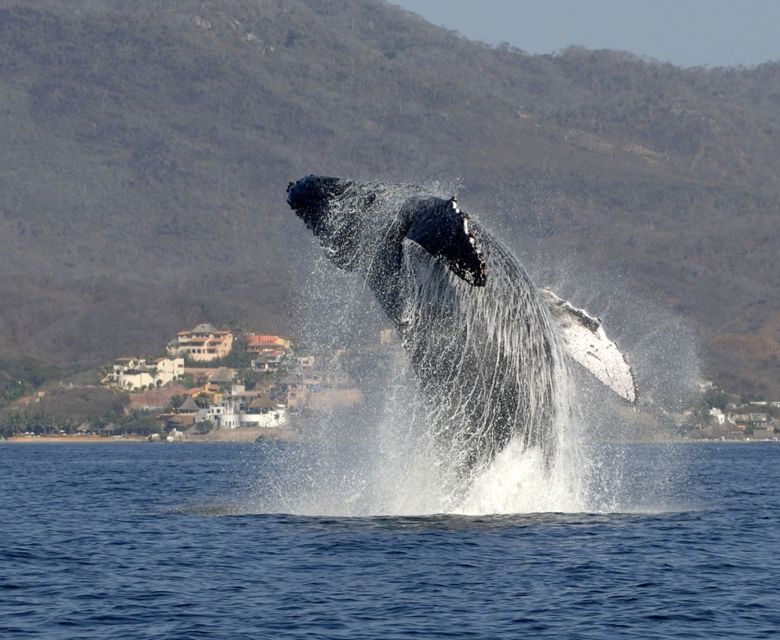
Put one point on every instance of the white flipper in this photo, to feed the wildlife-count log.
(585, 341)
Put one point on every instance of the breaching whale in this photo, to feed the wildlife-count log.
(490, 351)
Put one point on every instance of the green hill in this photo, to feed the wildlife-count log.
(145, 152)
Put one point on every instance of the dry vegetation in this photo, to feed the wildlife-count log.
(145, 153)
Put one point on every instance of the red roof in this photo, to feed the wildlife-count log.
(256, 338)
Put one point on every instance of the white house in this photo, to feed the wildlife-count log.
(236, 409)
(136, 373)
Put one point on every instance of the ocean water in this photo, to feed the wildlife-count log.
(168, 541)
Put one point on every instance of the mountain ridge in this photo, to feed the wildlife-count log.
(146, 150)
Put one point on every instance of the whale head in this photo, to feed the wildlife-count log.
(310, 198)
(355, 222)
(335, 211)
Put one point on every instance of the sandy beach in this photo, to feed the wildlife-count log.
(91, 439)
(246, 434)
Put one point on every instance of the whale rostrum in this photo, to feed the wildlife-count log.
(489, 350)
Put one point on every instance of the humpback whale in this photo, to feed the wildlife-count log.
(490, 351)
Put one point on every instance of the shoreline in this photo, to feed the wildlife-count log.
(72, 440)
(239, 436)
(264, 434)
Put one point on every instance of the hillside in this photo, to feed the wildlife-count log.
(145, 153)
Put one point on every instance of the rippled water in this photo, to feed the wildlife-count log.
(160, 541)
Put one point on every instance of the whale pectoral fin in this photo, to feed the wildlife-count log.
(586, 342)
(445, 232)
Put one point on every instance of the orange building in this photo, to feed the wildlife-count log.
(259, 343)
(202, 344)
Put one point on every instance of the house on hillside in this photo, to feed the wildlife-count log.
(754, 419)
(305, 362)
(268, 361)
(132, 374)
(293, 393)
(188, 407)
(169, 369)
(203, 344)
(260, 343)
(241, 408)
(271, 351)
(184, 415)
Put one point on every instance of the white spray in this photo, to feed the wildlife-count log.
(477, 415)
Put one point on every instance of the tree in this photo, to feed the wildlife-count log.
(715, 398)
(202, 400)
(141, 422)
(176, 401)
(204, 426)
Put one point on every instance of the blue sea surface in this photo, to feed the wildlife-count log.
(156, 541)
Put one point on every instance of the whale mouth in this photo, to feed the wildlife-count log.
(308, 200)
(290, 185)
(296, 194)
(314, 191)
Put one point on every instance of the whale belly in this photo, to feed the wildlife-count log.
(485, 358)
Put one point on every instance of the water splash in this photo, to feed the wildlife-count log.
(508, 441)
